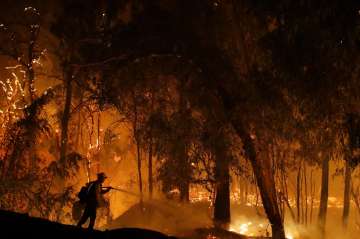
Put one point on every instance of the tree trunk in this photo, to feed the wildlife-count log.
(150, 172)
(265, 181)
(184, 173)
(183, 148)
(306, 195)
(312, 195)
(298, 193)
(30, 66)
(324, 195)
(78, 127)
(31, 77)
(222, 198)
(66, 115)
(139, 171)
(138, 148)
(347, 182)
(185, 191)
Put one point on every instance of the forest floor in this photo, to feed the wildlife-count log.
(215, 233)
(157, 220)
(194, 221)
(15, 225)
(188, 221)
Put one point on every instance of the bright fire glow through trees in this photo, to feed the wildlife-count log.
(197, 119)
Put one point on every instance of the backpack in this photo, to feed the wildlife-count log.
(84, 193)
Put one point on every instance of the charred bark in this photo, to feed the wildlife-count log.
(324, 195)
(150, 172)
(183, 148)
(306, 195)
(222, 178)
(346, 209)
(265, 182)
(139, 170)
(138, 148)
(185, 174)
(185, 191)
(298, 194)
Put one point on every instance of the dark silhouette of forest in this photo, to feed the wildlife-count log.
(261, 96)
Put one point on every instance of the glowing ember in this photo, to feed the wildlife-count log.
(210, 236)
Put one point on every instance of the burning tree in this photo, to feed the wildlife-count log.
(234, 81)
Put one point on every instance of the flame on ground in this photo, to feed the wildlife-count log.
(250, 228)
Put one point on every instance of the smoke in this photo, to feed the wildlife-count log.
(118, 161)
(178, 219)
(165, 216)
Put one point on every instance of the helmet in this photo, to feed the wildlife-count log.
(101, 175)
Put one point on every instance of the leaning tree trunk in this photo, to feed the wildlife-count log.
(324, 195)
(65, 116)
(222, 189)
(347, 182)
(265, 181)
(262, 168)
